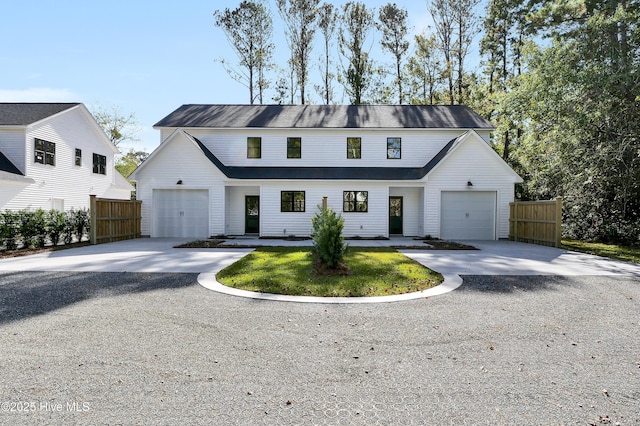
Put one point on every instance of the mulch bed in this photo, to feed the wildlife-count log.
(47, 249)
(428, 245)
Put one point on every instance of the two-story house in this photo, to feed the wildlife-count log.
(53, 156)
(264, 170)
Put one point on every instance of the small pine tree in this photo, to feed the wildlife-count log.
(328, 242)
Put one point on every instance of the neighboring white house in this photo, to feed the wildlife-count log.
(53, 156)
(264, 170)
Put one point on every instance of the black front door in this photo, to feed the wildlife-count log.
(252, 214)
(395, 215)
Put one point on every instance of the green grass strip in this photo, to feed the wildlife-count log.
(613, 251)
(376, 271)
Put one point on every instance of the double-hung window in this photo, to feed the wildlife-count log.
(355, 201)
(394, 148)
(78, 157)
(45, 152)
(254, 147)
(354, 147)
(294, 148)
(292, 201)
(99, 164)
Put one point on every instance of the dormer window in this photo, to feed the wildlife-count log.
(45, 152)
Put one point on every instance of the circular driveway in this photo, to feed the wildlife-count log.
(87, 347)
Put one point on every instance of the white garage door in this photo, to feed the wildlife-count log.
(181, 213)
(466, 215)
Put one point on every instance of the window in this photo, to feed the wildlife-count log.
(99, 164)
(294, 148)
(355, 201)
(45, 152)
(394, 148)
(78, 157)
(254, 147)
(354, 147)
(292, 201)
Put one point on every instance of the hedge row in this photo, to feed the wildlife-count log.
(37, 228)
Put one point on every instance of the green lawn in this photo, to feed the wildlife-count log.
(374, 271)
(613, 251)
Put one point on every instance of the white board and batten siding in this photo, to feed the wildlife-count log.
(180, 160)
(64, 184)
(472, 161)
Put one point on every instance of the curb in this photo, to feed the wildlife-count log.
(450, 283)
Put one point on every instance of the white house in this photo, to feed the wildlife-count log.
(53, 156)
(264, 169)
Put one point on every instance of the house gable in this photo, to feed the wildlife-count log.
(471, 166)
(68, 175)
(482, 153)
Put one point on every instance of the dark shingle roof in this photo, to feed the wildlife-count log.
(325, 116)
(23, 114)
(327, 173)
(7, 166)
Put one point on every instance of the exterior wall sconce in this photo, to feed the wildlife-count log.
(179, 182)
(469, 183)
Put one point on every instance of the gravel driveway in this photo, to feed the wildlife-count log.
(145, 348)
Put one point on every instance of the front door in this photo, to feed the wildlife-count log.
(395, 215)
(252, 214)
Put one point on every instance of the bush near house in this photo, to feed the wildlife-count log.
(28, 228)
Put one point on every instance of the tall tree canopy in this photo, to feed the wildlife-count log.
(357, 22)
(118, 126)
(579, 106)
(249, 30)
(299, 17)
(393, 24)
(327, 23)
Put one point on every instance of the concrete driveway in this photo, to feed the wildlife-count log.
(140, 255)
(159, 255)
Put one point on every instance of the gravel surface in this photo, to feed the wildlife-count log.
(135, 348)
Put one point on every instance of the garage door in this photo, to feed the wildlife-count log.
(468, 215)
(181, 213)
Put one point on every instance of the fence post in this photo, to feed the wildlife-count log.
(558, 221)
(93, 223)
(515, 223)
(324, 203)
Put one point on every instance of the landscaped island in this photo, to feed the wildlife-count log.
(372, 271)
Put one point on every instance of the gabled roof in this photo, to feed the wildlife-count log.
(7, 166)
(326, 173)
(325, 116)
(23, 114)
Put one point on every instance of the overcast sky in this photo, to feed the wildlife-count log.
(146, 58)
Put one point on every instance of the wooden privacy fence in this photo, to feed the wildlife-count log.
(114, 220)
(537, 222)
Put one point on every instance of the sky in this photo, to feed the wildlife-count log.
(145, 58)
